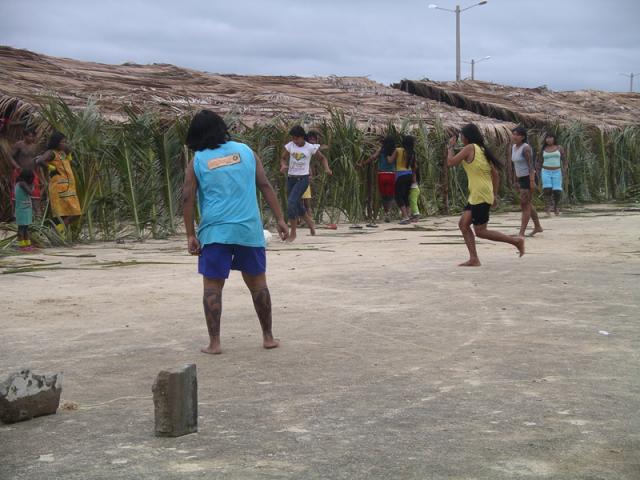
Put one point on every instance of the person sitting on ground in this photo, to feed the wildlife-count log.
(299, 153)
(224, 175)
(482, 169)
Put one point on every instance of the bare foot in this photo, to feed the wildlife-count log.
(291, 237)
(270, 342)
(313, 231)
(557, 212)
(520, 245)
(474, 262)
(212, 349)
(536, 230)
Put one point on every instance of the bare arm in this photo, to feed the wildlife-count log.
(27, 188)
(392, 158)
(532, 172)
(188, 207)
(495, 180)
(325, 162)
(263, 184)
(284, 161)
(466, 153)
(371, 158)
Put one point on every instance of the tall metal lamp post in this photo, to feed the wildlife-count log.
(630, 76)
(457, 11)
(474, 63)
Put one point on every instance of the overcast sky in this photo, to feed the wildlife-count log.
(565, 44)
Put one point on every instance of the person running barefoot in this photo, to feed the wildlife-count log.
(225, 174)
(299, 152)
(553, 167)
(482, 169)
(522, 158)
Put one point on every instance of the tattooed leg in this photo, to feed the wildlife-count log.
(262, 303)
(212, 302)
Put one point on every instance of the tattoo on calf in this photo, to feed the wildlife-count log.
(262, 304)
(212, 301)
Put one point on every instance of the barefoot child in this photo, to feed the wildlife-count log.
(481, 167)
(385, 173)
(522, 158)
(225, 174)
(23, 208)
(553, 169)
(409, 142)
(299, 153)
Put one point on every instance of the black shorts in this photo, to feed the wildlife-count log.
(525, 182)
(403, 188)
(479, 213)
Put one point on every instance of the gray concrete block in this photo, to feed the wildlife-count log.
(175, 401)
(24, 395)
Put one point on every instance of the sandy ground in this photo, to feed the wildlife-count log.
(395, 363)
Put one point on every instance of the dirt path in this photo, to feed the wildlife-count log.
(394, 363)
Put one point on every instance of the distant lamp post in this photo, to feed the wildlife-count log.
(473, 65)
(630, 76)
(457, 11)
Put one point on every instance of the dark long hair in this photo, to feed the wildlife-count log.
(207, 130)
(522, 132)
(473, 135)
(549, 135)
(409, 144)
(54, 140)
(388, 145)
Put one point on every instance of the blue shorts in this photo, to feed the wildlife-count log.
(552, 179)
(216, 260)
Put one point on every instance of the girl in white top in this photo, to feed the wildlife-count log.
(522, 158)
(295, 162)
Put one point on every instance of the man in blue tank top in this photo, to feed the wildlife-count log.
(225, 174)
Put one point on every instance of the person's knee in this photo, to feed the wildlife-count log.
(480, 230)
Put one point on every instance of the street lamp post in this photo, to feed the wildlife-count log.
(457, 11)
(473, 64)
(630, 75)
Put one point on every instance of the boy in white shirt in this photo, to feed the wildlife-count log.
(298, 152)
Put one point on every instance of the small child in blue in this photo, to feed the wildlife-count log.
(225, 174)
(24, 208)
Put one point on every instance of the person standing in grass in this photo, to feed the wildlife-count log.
(482, 169)
(295, 162)
(23, 157)
(404, 179)
(409, 142)
(23, 192)
(386, 173)
(553, 164)
(230, 236)
(62, 181)
(522, 158)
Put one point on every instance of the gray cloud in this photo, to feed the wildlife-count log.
(569, 44)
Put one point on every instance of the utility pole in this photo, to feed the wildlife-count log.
(630, 75)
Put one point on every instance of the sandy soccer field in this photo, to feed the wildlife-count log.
(394, 364)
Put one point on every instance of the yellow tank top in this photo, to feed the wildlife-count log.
(402, 163)
(479, 178)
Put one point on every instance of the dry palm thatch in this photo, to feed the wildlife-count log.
(533, 107)
(172, 91)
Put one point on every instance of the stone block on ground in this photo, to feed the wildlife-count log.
(175, 401)
(24, 395)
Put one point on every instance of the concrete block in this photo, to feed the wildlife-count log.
(24, 395)
(175, 401)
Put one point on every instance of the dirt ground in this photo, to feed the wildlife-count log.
(395, 363)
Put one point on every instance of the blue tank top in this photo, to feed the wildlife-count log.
(384, 165)
(227, 196)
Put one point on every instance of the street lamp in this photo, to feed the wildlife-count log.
(457, 11)
(630, 76)
(473, 64)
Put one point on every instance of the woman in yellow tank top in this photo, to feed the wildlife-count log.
(483, 176)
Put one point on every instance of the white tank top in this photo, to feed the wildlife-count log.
(519, 161)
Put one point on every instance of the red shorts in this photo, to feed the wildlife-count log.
(35, 194)
(387, 184)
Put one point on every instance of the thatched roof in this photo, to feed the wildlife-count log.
(533, 107)
(171, 90)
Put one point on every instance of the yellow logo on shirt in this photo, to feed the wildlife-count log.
(224, 161)
(298, 155)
